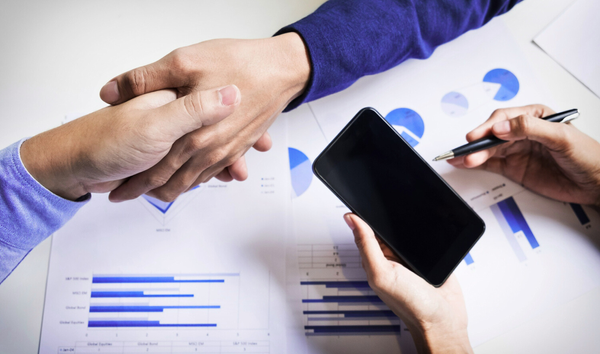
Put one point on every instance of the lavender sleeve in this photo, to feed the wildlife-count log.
(28, 212)
(348, 39)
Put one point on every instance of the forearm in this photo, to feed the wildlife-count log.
(29, 212)
(440, 340)
(348, 39)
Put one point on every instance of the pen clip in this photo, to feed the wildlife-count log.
(570, 117)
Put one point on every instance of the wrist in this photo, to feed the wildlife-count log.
(294, 60)
(48, 159)
(441, 340)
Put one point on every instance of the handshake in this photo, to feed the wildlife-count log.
(175, 123)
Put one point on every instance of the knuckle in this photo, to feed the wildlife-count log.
(546, 108)
(194, 105)
(171, 191)
(216, 157)
(171, 195)
(523, 124)
(564, 136)
(180, 61)
(195, 143)
(136, 79)
(171, 165)
(496, 116)
(165, 196)
(539, 109)
(230, 159)
(155, 181)
(498, 111)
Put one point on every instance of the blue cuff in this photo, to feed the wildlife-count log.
(304, 97)
(29, 212)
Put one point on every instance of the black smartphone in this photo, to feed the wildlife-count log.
(379, 176)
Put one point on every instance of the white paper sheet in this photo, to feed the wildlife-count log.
(573, 40)
(511, 275)
(203, 274)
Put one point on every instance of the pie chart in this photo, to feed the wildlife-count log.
(408, 123)
(509, 84)
(455, 104)
(301, 172)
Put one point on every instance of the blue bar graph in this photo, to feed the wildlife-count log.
(146, 324)
(136, 289)
(580, 213)
(134, 294)
(146, 308)
(508, 233)
(164, 300)
(516, 221)
(129, 279)
(356, 314)
(469, 259)
(352, 330)
(333, 315)
(373, 299)
(339, 284)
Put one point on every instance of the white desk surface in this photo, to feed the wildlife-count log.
(56, 55)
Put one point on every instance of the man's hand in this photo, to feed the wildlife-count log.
(97, 152)
(436, 317)
(555, 160)
(270, 74)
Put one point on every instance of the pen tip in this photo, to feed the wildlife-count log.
(444, 156)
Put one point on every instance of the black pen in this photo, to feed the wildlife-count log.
(491, 141)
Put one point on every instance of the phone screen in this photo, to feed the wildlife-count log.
(385, 182)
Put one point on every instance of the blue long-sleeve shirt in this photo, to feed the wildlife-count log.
(29, 213)
(346, 39)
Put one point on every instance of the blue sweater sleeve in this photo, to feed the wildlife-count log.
(28, 212)
(348, 39)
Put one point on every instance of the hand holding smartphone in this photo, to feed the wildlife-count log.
(379, 176)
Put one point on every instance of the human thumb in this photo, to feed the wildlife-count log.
(552, 135)
(370, 251)
(196, 110)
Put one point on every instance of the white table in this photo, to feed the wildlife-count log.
(56, 56)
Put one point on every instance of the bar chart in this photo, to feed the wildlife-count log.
(583, 218)
(149, 301)
(513, 225)
(469, 259)
(345, 308)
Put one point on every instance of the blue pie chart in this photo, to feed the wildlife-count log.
(455, 104)
(301, 172)
(408, 123)
(509, 84)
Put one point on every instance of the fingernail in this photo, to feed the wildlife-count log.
(349, 222)
(115, 200)
(502, 127)
(229, 95)
(110, 92)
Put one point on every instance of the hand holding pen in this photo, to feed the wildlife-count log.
(555, 160)
(488, 142)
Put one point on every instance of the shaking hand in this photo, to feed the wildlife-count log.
(98, 152)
